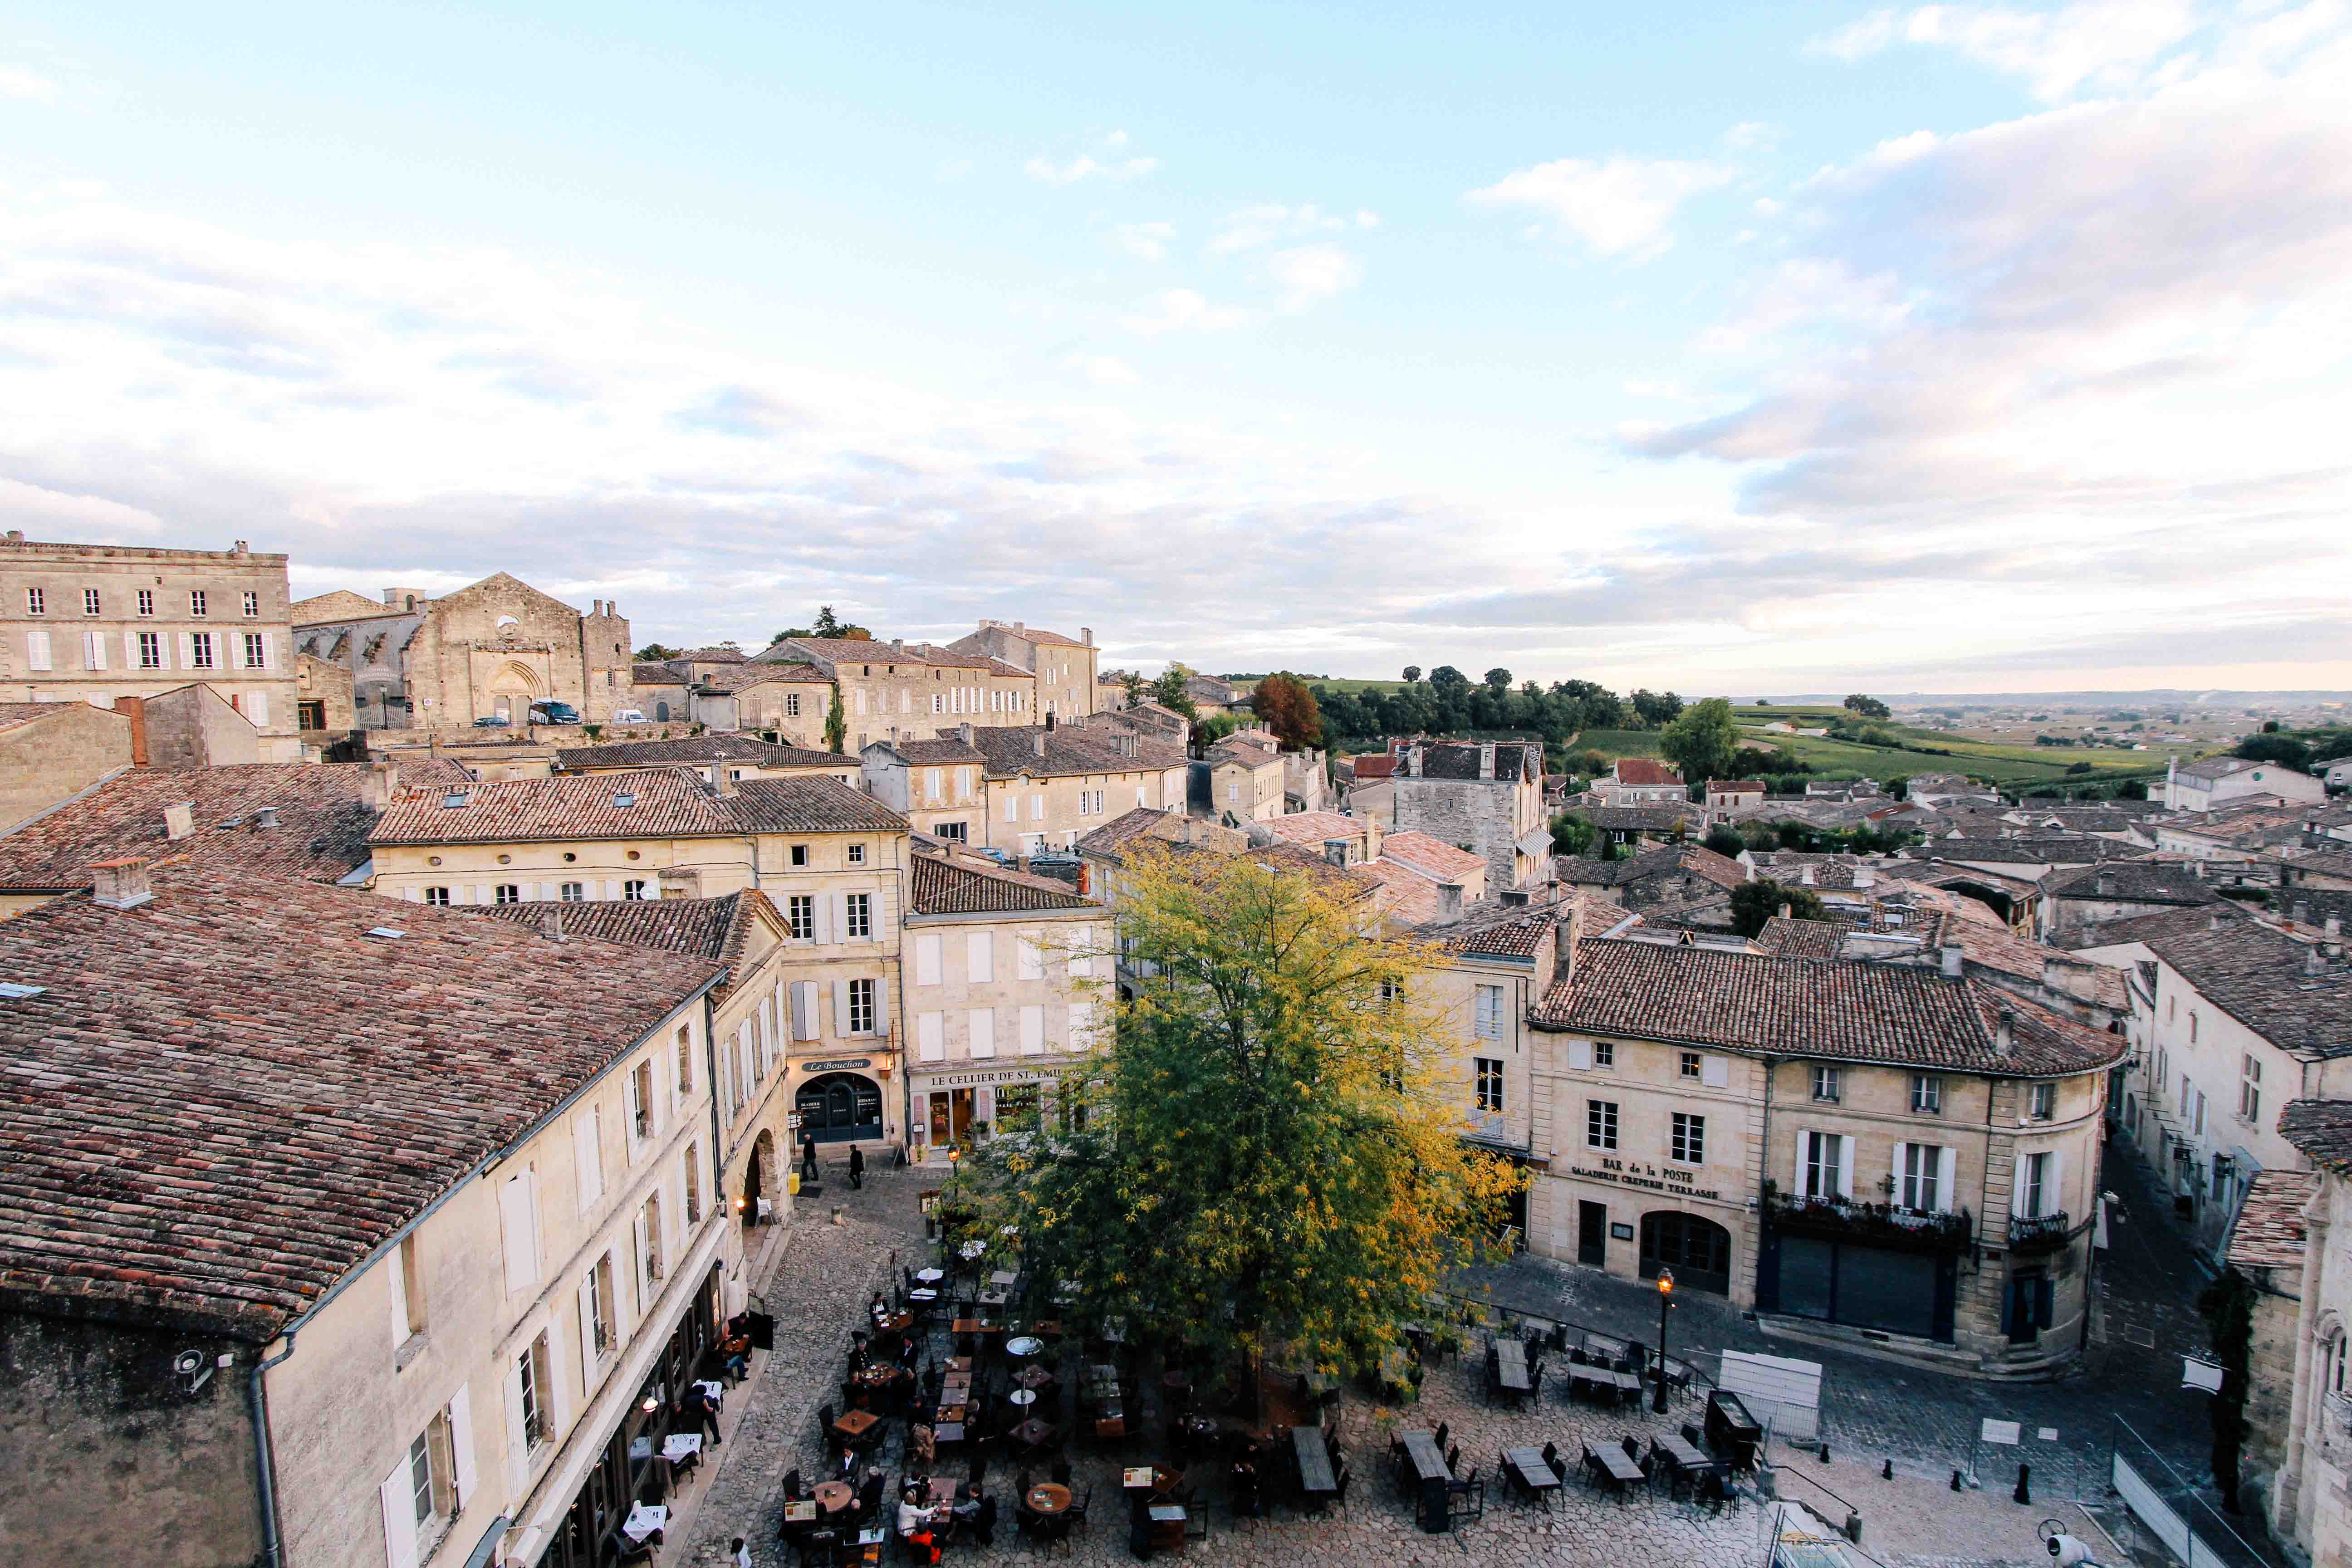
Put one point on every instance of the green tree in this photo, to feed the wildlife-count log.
(827, 626)
(1170, 692)
(1570, 835)
(2284, 750)
(1498, 680)
(1286, 707)
(1412, 673)
(1703, 741)
(1661, 706)
(1753, 903)
(1724, 841)
(837, 723)
(653, 652)
(1270, 1155)
(2227, 1305)
(1131, 684)
(1451, 683)
(1867, 706)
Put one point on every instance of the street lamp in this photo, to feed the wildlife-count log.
(1665, 1305)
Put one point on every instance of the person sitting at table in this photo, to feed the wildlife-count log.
(966, 1507)
(915, 1523)
(700, 1413)
(878, 1308)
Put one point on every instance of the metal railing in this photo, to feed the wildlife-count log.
(2037, 1233)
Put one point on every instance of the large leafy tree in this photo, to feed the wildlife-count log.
(1271, 1153)
(1412, 673)
(1703, 741)
(1869, 707)
(1753, 903)
(1658, 707)
(837, 723)
(653, 652)
(1170, 692)
(1286, 707)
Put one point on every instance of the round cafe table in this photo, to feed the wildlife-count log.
(1023, 1396)
(831, 1497)
(1023, 1345)
(929, 1276)
(1047, 1498)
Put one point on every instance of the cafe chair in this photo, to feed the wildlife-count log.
(793, 1490)
(1454, 1457)
(1442, 1429)
(1061, 1471)
(1465, 1499)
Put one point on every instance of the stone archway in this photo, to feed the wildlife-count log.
(763, 1177)
(513, 687)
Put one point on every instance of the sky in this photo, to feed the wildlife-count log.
(1723, 348)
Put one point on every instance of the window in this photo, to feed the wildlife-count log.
(634, 892)
(519, 1222)
(37, 602)
(686, 1062)
(1826, 1084)
(151, 650)
(693, 1185)
(532, 1376)
(256, 651)
(200, 650)
(1031, 959)
(1923, 1177)
(1600, 1124)
(407, 1291)
(1604, 1053)
(792, 704)
(1037, 808)
(979, 956)
(1688, 1146)
(573, 893)
(89, 604)
(979, 1028)
(195, 601)
(2192, 1026)
(2043, 1101)
(1690, 1064)
(800, 855)
(1927, 1094)
(1032, 1031)
(861, 1007)
(510, 893)
(800, 910)
(641, 1098)
(2250, 1089)
(1823, 1174)
(931, 1037)
(146, 601)
(596, 1307)
(857, 854)
(1488, 1022)
(953, 832)
(252, 602)
(2036, 1191)
(437, 897)
(424, 1475)
(649, 1236)
(860, 916)
(36, 649)
(1490, 1084)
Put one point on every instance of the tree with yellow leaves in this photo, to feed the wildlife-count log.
(1265, 1156)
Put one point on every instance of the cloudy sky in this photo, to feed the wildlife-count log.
(1736, 348)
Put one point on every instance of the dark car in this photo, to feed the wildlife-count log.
(489, 721)
(554, 714)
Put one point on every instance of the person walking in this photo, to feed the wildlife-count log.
(856, 1167)
(808, 1156)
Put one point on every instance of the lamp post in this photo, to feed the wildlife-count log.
(1665, 1305)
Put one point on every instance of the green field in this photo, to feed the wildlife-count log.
(1618, 742)
(2001, 764)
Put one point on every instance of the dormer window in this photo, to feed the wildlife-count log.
(624, 800)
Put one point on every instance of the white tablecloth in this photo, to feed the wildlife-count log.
(643, 1519)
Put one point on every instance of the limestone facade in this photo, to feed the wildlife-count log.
(1063, 670)
(51, 751)
(1486, 797)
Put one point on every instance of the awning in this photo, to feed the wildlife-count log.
(1538, 843)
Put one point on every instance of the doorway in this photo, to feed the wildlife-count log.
(840, 1107)
(1697, 1250)
(1592, 1233)
(2030, 1306)
(951, 1117)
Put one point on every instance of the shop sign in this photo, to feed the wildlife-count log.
(1657, 1178)
(848, 1065)
(975, 1079)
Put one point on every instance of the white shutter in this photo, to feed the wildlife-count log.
(1947, 1173)
(1902, 1197)
(256, 709)
(399, 1517)
(841, 1010)
(926, 959)
(2017, 1157)
(1011, 808)
(930, 1037)
(187, 650)
(1804, 1150)
(131, 650)
(481, 892)
(93, 650)
(1579, 1055)
(521, 1245)
(396, 1276)
(1032, 963)
(461, 1443)
(1032, 1031)
(587, 1294)
(980, 951)
(1715, 1072)
(982, 1024)
(414, 894)
(551, 893)
(587, 1160)
(2053, 1184)
(804, 1010)
(517, 1440)
(1081, 1026)
(1845, 1168)
(36, 650)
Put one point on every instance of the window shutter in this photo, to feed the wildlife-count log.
(1804, 1156)
(521, 1245)
(587, 1294)
(1845, 1168)
(36, 650)
(93, 650)
(1032, 963)
(2053, 1184)
(930, 1039)
(840, 1008)
(1082, 1026)
(2017, 1157)
(414, 894)
(1902, 1165)
(397, 1278)
(399, 1517)
(981, 1027)
(256, 709)
(187, 650)
(131, 650)
(586, 1159)
(1579, 1055)
(461, 1443)
(1032, 1031)
(517, 1440)
(804, 994)
(1715, 1072)
(550, 893)
(1946, 1174)
(979, 949)
(926, 959)
(481, 892)
(644, 1251)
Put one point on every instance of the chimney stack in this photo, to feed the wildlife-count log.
(1335, 850)
(2315, 962)
(2106, 884)
(722, 779)
(2301, 912)
(1786, 909)
(550, 921)
(2004, 1033)
(1804, 876)
(1952, 955)
(1037, 738)
(1086, 636)
(1449, 899)
(2053, 977)
(121, 884)
(2333, 928)
(963, 731)
(180, 820)
(1486, 759)
(379, 785)
(264, 816)
(135, 709)
(898, 645)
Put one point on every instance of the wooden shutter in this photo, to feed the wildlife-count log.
(804, 1010)
(1902, 1195)
(1715, 1072)
(1579, 1055)
(930, 1037)
(93, 649)
(1081, 1025)
(587, 1297)
(1032, 1031)
(518, 1440)
(399, 1517)
(521, 1244)
(461, 1444)
(1946, 1174)
(396, 1276)
(1845, 1168)
(841, 1010)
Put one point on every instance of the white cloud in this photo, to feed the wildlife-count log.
(18, 83)
(1619, 207)
(1181, 311)
(1252, 227)
(1114, 164)
(1147, 240)
(1311, 274)
(2098, 45)
(1103, 370)
(1751, 133)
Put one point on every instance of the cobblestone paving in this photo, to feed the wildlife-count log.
(826, 1270)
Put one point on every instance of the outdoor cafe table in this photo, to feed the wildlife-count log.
(1689, 1463)
(929, 1276)
(1429, 1479)
(1535, 1472)
(683, 1450)
(1047, 1498)
(1315, 1477)
(1023, 1345)
(977, 1326)
(1003, 1279)
(1023, 1396)
(1033, 1433)
(833, 1497)
(855, 1424)
(1617, 1383)
(644, 1518)
(895, 1323)
(1511, 1366)
(1623, 1471)
(1037, 1376)
(1149, 1478)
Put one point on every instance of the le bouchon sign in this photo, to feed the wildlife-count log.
(1657, 1178)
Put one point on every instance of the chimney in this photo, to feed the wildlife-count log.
(1951, 955)
(2213, 922)
(1037, 738)
(1049, 724)
(1486, 759)
(16, 536)
(2301, 913)
(379, 785)
(550, 921)
(2053, 977)
(1019, 627)
(1086, 636)
(121, 884)
(180, 820)
(722, 779)
(2004, 1033)
(2333, 928)
(1786, 909)
(2315, 962)
(1516, 898)
(898, 645)
(963, 731)
(238, 547)
(1804, 876)
(1449, 899)
(264, 816)
(1335, 850)
(135, 709)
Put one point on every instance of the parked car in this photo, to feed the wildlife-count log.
(554, 714)
(629, 716)
(490, 721)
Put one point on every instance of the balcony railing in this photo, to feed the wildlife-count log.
(1870, 1224)
(2037, 1233)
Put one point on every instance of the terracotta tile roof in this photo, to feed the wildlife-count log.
(1108, 841)
(2131, 882)
(812, 803)
(1798, 1007)
(1431, 858)
(1406, 898)
(1727, 786)
(2321, 1128)
(1312, 827)
(13, 714)
(320, 833)
(2052, 849)
(1243, 754)
(1646, 770)
(341, 605)
(713, 655)
(1376, 765)
(2260, 977)
(715, 929)
(942, 751)
(2270, 1230)
(1493, 930)
(1012, 749)
(655, 803)
(2210, 769)
(1784, 937)
(941, 885)
(1663, 818)
(1513, 759)
(2148, 928)
(651, 674)
(737, 678)
(225, 1099)
(1788, 867)
(703, 750)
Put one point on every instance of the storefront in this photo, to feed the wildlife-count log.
(840, 1101)
(953, 1107)
(1858, 1267)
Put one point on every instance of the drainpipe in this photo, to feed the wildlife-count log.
(257, 1403)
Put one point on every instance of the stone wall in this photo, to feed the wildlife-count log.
(107, 1455)
(330, 686)
(193, 728)
(1475, 814)
(59, 755)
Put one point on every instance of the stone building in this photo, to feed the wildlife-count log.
(324, 708)
(787, 701)
(1007, 981)
(491, 650)
(899, 690)
(1062, 669)
(90, 623)
(1245, 779)
(1858, 1150)
(2210, 781)
(1024, 789)
(2266, 1249)
(50, 752)
(2074, 901)
(2310, 1503)
(1486, 797)
(716, 757)
(264, 1337)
